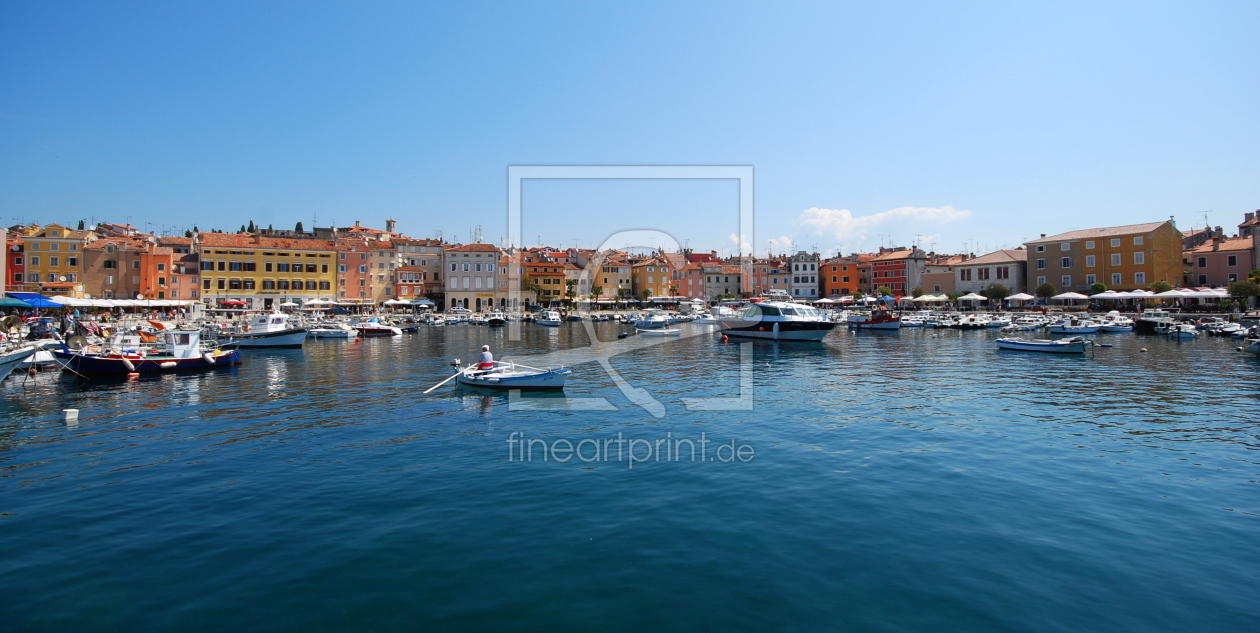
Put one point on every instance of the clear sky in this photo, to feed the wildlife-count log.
(971, 125)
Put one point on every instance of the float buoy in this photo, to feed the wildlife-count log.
(1142, 350)
(725, 338)
(128, 364)
(208, 358)
(170, 364)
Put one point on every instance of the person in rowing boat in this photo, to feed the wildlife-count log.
(487, 359)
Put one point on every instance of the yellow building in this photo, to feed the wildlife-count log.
(653, 276)
(1120, 257)
(264, 272)
(54, 260)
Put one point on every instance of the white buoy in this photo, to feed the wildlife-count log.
(170, 364)
(70, 415)
(130, 365)
(208, 358)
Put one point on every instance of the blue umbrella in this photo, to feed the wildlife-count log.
(35, 300)
(887, 298)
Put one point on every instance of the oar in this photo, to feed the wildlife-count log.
(443, 382)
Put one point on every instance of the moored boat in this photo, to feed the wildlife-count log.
(374, 327)
(268, 330)
(181, 351)
(875, 320)
(779, 321)
(660, 332)
(1074, 345)
(549, 318)
(10, 359)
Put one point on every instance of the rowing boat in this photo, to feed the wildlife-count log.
(509, 375)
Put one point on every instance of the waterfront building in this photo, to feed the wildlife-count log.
(184, 278)
(1007, 267)
(112, 267)
(804, 273)
(838, 277)
(425, 256)
(544, 278)
(1219, 261)
(14, 264)
(472, 275)
(1121, 257)
(898, 269)
(722, 280)
(1251, 227)
(54, 260)
(265, 271)
(652, 276)
(938, 274)
(691, 281)
(353, 270)
(780, 278)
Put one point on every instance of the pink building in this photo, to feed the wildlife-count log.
(1220, 261)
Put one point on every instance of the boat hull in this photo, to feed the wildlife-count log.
(779, 330)
(102, 365)
(553, 379)
(291, 337)
(333, 333)
(1044, 346)
(11, 359)
(379, 331)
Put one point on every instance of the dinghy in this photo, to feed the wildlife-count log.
(509, 375)
(665, 332)
(1074, 345)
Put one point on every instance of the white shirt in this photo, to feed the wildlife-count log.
(487, 357)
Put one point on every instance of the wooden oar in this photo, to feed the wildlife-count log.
(444, 381)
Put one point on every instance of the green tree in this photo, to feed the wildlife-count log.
(81, 225)
(242, 229)
(1098, 287)
(1243, 291)
(1254, 276)
(858, 296)
(298, 228)
(916, 293)
(570, 290)
(251, 228)
(883, 291)
(1161, 286)
(1045, 291)
(647, 294)
(996, 292)
(195, 229)
(953, 295)
(187, 233)
(596, 291)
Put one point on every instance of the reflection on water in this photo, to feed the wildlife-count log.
(982, 486)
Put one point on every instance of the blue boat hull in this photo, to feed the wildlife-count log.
(99, 365)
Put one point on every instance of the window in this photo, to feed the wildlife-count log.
(1231, 261)
(109, 264)
(1091, 279)
(72, 261)
(1065, 262)
(1041, 248)
(1116, 279)
(248, 284)
(207, 265)
(268, 267)
(221, 283)
(1115, 259)
(161, 267)
(1139, 279)
(1066, 246)
(310, 268)
(1232, 277)
(17, 278)
(363, 268)
(1041, 280)
(109, 280)
(269, 284)
(17, 261)
(205, 283)
(1139, 258)
(1137, 240)
(35, 260)
(325, 285)
(234, 284)
(54, 246)
(1067, 281)
(1115, 243)
(234, 266)
(323, 268)
(1202, 280)
(1089, 261)
(283, 267)
(282, 284)
(1089, 244)
(1041, 264)
(54, 260)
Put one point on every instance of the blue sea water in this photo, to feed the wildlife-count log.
(912, 481)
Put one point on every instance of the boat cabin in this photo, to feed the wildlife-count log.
(183, 343)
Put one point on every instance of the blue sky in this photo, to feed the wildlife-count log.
(968, 126)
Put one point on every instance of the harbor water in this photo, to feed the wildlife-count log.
(919, 480)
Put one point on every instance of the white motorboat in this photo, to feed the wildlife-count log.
(999, 321)
(268, 330)
(332, 330)
(704, 319)
(509, 375)
(1252, 346)
(549, 318)
(1180, 331)
(1074, 345)
(651, 319)
(374, 327)
(1113, 322)
(779, 321)
(477, 319)
(1074, 326)
(496, 319)
(660, 332)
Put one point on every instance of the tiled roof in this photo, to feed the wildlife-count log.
(1228, 244)
(235, 240)
(1112, 231)
(472, 247)
(891, 255)
(175, 241)
(1004, 256)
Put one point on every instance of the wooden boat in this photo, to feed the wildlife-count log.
(876, 320)
(509, 375)
(181, 351)
(1074, 345)
(269, 330)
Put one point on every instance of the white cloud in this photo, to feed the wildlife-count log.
(781, 244)
(843, 226)
(740, 246)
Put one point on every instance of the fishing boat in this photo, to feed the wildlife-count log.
(651, 319)
(1180, 331)
(970, 322)
(374, 327)
(660, 332)
(778, 321)
(550, 318)
(268, 330)
(509, 375)
(874, 320)
(1074, 345)
(11, 358)
(496, 319)
(1113, 322)
(1152, 320)
(181, 350)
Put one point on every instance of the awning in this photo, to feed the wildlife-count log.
(9, 302)
(34, 300)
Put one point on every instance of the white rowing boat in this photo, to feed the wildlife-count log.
(510, 375)
(668, 332)
(1074, 345)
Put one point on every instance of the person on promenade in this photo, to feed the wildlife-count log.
(487, 359)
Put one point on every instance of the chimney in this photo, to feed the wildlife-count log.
(1247, 217)
(390, 225)
(1043, 236)
(356, 223)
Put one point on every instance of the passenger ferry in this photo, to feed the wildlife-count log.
(778, 321)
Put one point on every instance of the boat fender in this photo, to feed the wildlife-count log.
(128, 364)
(1142, 350)
(169, 364)
(245, 327)
(208, 358)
